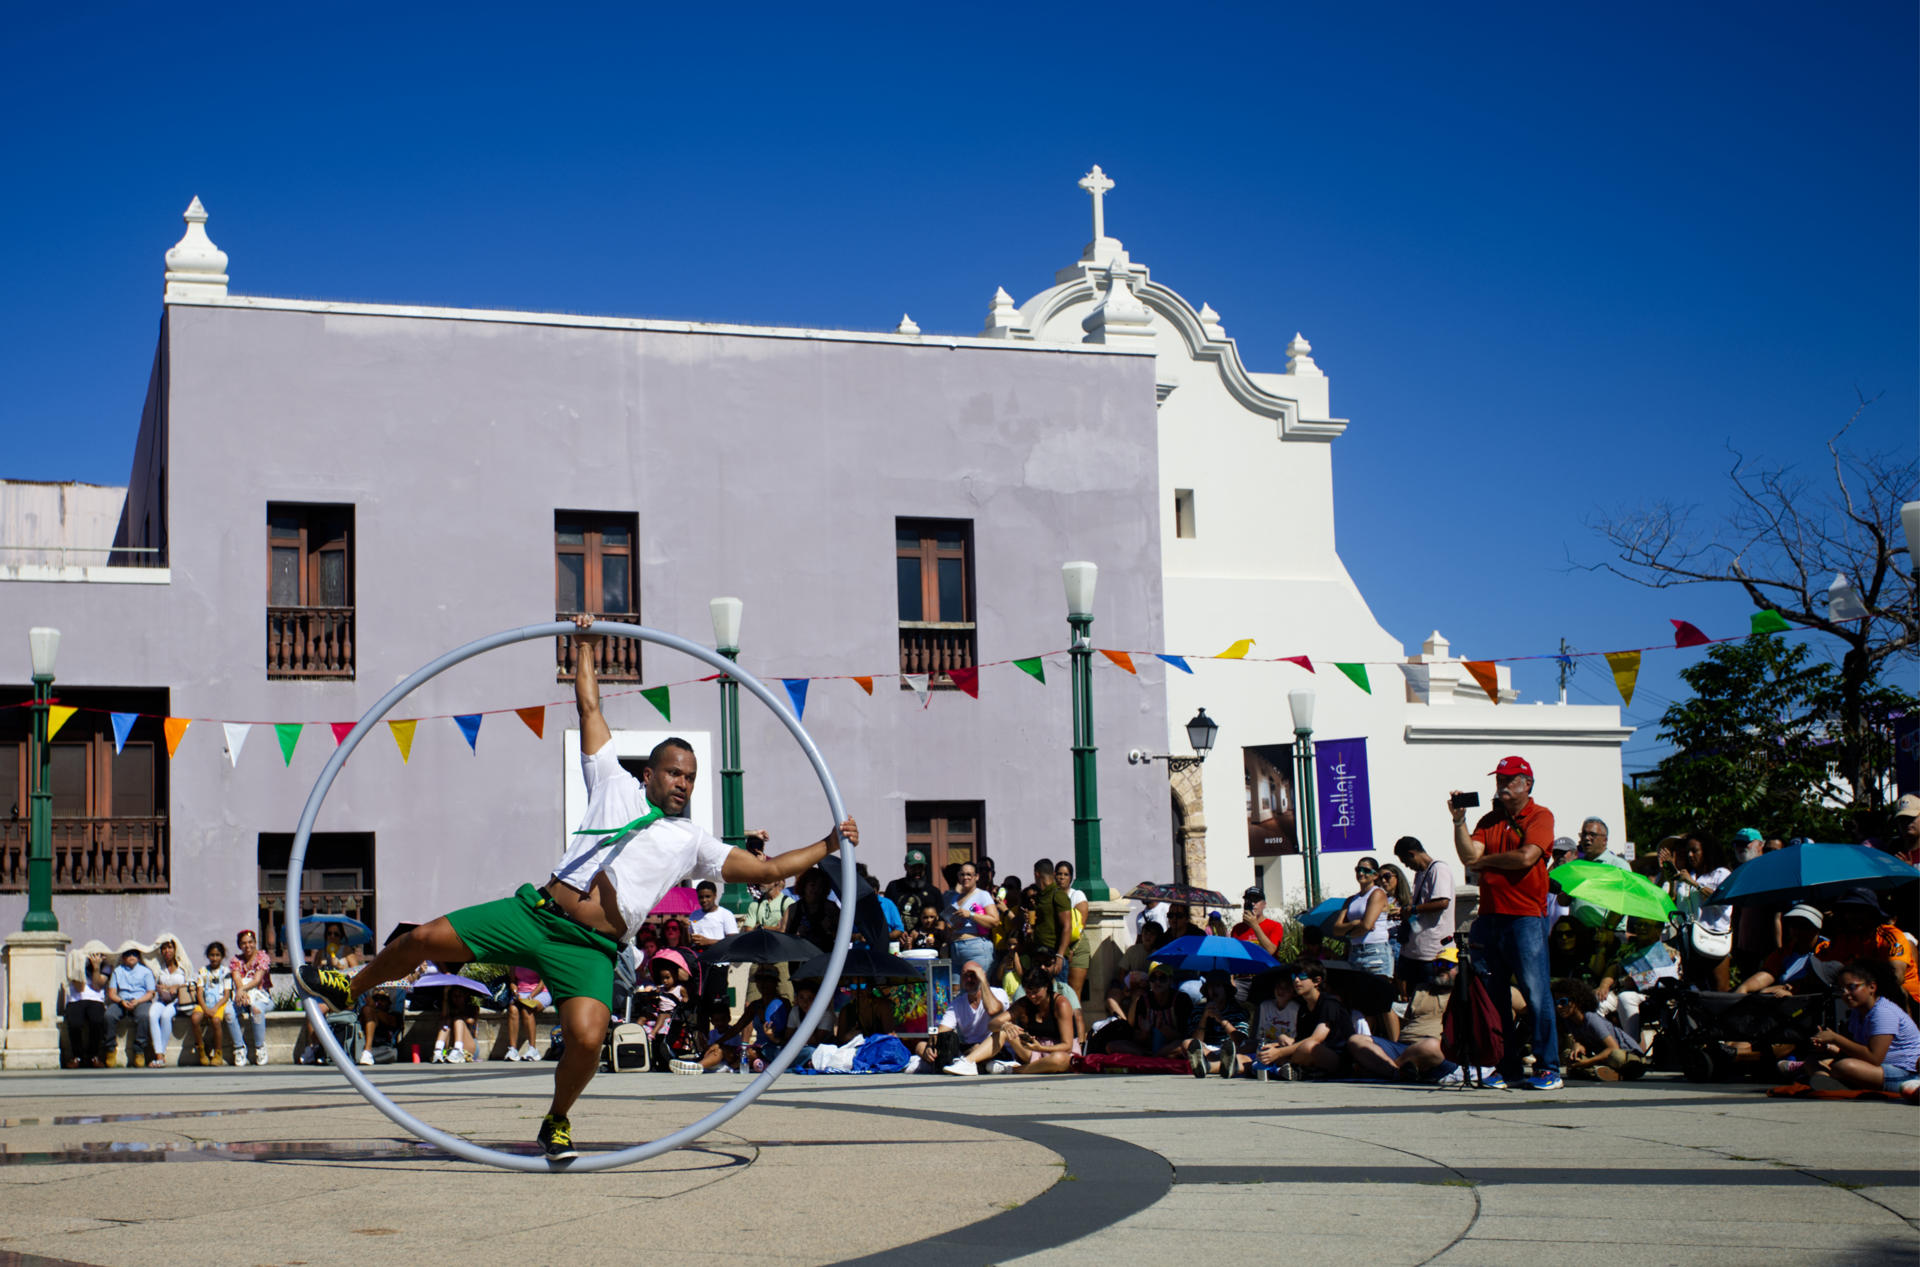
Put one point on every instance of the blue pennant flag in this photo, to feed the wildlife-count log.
(470, 727)
(1177, 661)
(797, 692)
(122, 723)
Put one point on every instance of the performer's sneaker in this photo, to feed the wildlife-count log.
(335, 989)
(556, 1138)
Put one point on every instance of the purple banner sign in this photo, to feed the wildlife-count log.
(1345, 796)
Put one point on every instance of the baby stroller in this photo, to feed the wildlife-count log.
(1700, 1030)
(666, 1021)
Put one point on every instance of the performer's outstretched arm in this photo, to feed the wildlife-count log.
(742, 867)
(594, 734)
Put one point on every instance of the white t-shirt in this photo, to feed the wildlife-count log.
(1691, 901)
(644, 864)
(715, 924)
(968, 1021)
(978, 900)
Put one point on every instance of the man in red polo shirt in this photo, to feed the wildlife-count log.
(1508, 852)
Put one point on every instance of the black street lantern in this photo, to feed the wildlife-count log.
(1200, 733)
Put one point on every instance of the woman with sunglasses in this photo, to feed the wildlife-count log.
(1881, 1048)
(1363, 922)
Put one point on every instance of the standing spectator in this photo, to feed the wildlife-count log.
(1592, 847)
(213, 1003)
(712, 924)
(769, 906)
(1363, 922)
(913, 890)
(1254, 926)
(251, 1002)
(1881, 1049)
(1393, 882)
(1429, 918)
(1692, 872)
(1861, 929)
(1052, 914)
(1903, 841)
(894, 917)
(814, 918)
(130, 994)
(976, 918)
(174, 978)
(86, 1013)
(969, 1017)
(1559, 905)
(1179, 923)
(1507, 850)
(1080, 955)
(1016, 914)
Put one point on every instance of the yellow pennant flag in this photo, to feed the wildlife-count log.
(1238, 651)
(866, 684)
(175, 728)
(1120, 658)
(1626, 669)
(403, 736)
(57, 717)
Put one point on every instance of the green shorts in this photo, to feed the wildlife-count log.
(525, 930)
(1082, 954)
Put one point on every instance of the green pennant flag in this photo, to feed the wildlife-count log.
(1032, 668)
(289, 732)
(658, 697)
(1358, 673)
(1769, 621)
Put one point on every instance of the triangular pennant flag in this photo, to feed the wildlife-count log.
(536, 719)
(1120, 658)
(866, 684)
(1358, 674)
(289, 733)
(1626, 668)
(1769, 621)
(1419, 680)
(469, 724)
(341, 729)
(1300, 660)
(968, 680)
(797, 694)
(919, 682)
(237, 733)
(57, 716)
(1238, 651)
(403, 738)
(661, 698)
(1177, 661)
(122, 723)
(1486, 675)
(1033, 668)
(1686, 635)
(175, 728)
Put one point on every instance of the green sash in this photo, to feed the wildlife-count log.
(653, 813)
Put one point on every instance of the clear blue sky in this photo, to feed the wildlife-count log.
(1555, 258)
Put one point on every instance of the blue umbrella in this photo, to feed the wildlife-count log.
(313, 930)
(1319, 915)
(1210, 954)
(1813, 871)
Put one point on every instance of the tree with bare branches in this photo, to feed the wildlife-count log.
(1783, 541)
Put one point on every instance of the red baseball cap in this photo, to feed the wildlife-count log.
(1510, 766)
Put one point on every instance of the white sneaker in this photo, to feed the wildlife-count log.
(1001, 1066)
(366, 1059)
(239, 1056)
(439, 1055)
(685, 1066)
(260, 1057)
(963, 1068)
(914, 1065)
(513, 1053)
(458, 1056)
(529, 1052)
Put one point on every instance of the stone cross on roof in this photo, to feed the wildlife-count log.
(1097, 183)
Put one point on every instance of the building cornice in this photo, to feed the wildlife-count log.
(1491, 732)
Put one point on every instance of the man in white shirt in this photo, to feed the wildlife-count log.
(971, 1017)
(634, 843)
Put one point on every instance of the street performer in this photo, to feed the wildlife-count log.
(634, 843)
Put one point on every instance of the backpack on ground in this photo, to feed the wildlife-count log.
(1471, 1034)
(626, 1049)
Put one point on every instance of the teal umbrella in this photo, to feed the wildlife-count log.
(1614, 889)
(1812, 872)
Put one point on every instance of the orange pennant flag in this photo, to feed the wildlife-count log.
(175, 727)
(866, 684)
(536, 719)
(403, 736)
(57, 716)
(1487, 676)
(1120, 658)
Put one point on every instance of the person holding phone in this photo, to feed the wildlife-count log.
(974, 918)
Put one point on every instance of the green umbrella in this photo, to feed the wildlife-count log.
(1613, 888)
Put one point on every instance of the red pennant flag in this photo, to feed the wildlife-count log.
(341, 729)
(536, 719)
(1120, 658)
(866, 684)
(1487, 676)
(1686, 635)
(1300, 660)
(968, 680)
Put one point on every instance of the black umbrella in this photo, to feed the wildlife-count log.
(759, 945)
(863, 961)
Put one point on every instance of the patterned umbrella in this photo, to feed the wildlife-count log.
(1151, 893)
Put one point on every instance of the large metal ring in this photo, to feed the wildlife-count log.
(587, 1161)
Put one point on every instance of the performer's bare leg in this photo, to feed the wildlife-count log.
(435, 940)
(583, 1023)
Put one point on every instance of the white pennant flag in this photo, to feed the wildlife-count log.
(1419, 680)
(236, 738)
(919, 682)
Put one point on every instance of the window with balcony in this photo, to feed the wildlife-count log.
(948, 831)
(309, 591)
(933, 559)
(338, 879)
(109, 809)
(594, 571)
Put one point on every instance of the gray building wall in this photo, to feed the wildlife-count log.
(767, 467)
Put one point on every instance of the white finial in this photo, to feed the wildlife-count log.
(906, 325)
(196, 268)
(1298, 360)
(1097, 183)
(1435, 646)
(1002, 316)
(1120, 318)
(1210, 323)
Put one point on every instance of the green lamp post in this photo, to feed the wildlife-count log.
(45, 644)
(1306, 806)
(1080, 579)
(733, 805)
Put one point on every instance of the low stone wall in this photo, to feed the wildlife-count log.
(284, 1029)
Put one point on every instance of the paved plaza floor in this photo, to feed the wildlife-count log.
(289, 1166)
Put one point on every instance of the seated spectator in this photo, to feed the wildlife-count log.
(456, 1043)
(213, 1003)
(1158, 1018)
(1795, 963)
(1313, 945)
(1325, 1026)
(929, 932)
(1881, 1049)
(1567, 952)
(527, 995)
(1427, 1007)
(1594, 1047)
(252, 970)
(1008, 956)
(659, 1007)
(174, 977)
(1041, 1033)
(1179, 924)
(969, 1017)
(1275, 1022)
(382, 1020)
(1128, 986)
(746, 1044)
(131, 989)
(1644, 961)
(1219, 1030)
(1860, 929)
(88, 1036)
(335, 954)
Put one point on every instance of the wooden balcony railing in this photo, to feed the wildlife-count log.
(93, 855)
(309, 642)
(935, 647)
(618, 660)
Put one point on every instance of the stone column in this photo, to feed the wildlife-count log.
(36, 973)
(1106, 932)
(1183, 776)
